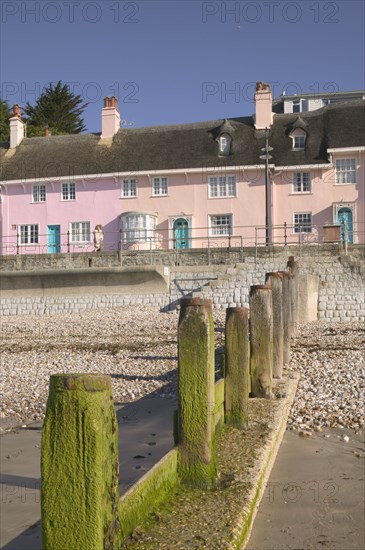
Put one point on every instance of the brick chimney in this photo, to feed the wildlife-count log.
(110, 118)
(263, 101)
(17, 127)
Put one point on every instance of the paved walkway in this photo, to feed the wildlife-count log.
(315, 495)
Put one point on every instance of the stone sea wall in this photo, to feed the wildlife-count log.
(341, 292)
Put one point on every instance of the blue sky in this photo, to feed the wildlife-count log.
(174, 62)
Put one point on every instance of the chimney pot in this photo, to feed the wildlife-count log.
(16, 110)
(263, 101)
(111, 102)
(110, 118)
(17, 127)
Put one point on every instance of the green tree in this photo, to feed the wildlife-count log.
(4, 121)
(59, 109)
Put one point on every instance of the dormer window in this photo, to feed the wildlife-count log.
(299, 142)
(299, 137)
(224, 142)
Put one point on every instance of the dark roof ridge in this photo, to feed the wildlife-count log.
(209, 124)
(320, 112)
(324, 95)
(63, 137)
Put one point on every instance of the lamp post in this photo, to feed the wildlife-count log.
(267, 157)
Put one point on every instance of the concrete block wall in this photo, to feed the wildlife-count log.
(341, 293)
(75, 304)
(37, 262)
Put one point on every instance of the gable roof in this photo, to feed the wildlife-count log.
(185, 146)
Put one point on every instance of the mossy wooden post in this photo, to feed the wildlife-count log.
(196, 465)
(275, 280)
(293, 267)
(237, 367)
(79, 465)
(286, 315)
(261, 338)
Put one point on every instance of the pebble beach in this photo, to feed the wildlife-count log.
(137, 347)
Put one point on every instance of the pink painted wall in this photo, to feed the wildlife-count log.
(324, 194)
(97, 202)
(100, 202)
(188, 196)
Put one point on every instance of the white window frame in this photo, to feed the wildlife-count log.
(302, 104)
(83, 230)
(299, 142)
(38, 193)
(222, 186)
(301, 226)
(345, 172)
(224, 142)
(160, 186)
(300, 181)
(68, 191)
(139, 227)
(220, 229)
(129, 188)
(28, 234)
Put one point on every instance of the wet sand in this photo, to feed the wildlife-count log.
(315, 495)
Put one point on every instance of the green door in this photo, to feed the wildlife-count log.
(54, 239)
(181, 233)
(345, 218)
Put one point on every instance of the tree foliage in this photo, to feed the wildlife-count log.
(4, 121)
(59, 109)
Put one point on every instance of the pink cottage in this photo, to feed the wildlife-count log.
(282, 175)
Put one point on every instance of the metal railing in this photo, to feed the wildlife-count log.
(237, 240)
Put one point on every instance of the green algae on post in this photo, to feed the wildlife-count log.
(287, 315)
(196, 461)
(261, 341)
(293, 267)
(237, 365)
(275, 280)
(79, 465)
(154, 489)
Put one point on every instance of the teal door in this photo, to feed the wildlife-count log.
(54, 239)
(345, 218)
(181, 233)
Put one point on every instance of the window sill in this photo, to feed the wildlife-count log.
(224, 197)
(300, 193)
(124, 198)
(158, 196)
(341, 184)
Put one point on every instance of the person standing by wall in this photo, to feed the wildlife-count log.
(98, 238)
